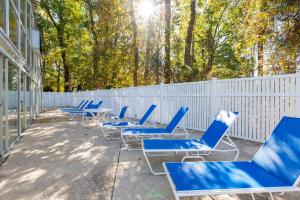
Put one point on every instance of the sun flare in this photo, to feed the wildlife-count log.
(146, 9)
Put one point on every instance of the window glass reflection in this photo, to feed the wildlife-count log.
(28, 20)
(12, 102)
(23, 11)
(2, 14)
(27, 101)
(13, 26)
(23, 42)
(3, 103)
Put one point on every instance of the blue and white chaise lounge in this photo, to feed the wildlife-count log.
(274, 168)
(126, 124)
(195, 148)
(73, 108)
(140, 133)
(80, 108)
(117, 117)
(82, 113)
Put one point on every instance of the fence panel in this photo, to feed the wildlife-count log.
(261, 101)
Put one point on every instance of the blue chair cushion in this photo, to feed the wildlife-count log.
(173, 144)
(177, 118)
(280, 154)
(141, 131)
(147, 114)
(189, 176)
(122, 112)
(218, 128)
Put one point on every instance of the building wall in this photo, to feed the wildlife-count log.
(20, 71)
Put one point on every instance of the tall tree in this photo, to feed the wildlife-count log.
(148, 51)
(135, 44)
(57, 13)
(96, 51)
(189, 34)
(167, 59)
(98, 44)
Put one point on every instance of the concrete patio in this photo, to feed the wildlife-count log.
(58, 158)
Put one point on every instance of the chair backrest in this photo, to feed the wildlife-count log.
(280, 154)
(84, 105)
(218, 128)
(99, 103)
(89, 105)
(122, 112)
(94, 106)
(176, 119)
(80, 104)
(147, 114)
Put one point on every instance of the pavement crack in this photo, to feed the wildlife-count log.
(116, 171)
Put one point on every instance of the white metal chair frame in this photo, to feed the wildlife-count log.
(138, 137)
(190, 153)
(107, 130)
(250, 191)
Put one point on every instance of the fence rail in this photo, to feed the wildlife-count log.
(261, 101)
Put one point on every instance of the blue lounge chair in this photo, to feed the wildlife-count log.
(121, 115)
(87, 105)
(92, 106)
(274, 168)
(196, 148)
(80, 109)
(85, 114)
(141, 133)
(124, 124)
(73, 108)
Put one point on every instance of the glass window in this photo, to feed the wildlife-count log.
(23, 42)
(23, 12)
(13, 106)
(28, 54)
(28, 20)
(27, 101)
(2, 108)
(13, 26)
(22, 102)
(33, 99)
(2, 13)
(17, 4)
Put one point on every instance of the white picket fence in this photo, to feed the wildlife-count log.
(261, 101)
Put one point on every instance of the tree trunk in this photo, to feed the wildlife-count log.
(60, 35)
(211, 53)
(260, 56)
(167, 68)
(189, 34)
(96, 45)
(58, 78)
(148, 53)
(135, 44)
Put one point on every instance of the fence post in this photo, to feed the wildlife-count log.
(48, 99)
(73, 99)
(161, 87)
(213, 90)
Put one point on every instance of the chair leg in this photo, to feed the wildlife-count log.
(124, 141)
(150, 166)
(271, 196)
(106, 132)
(237, 154)
(252, 196)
